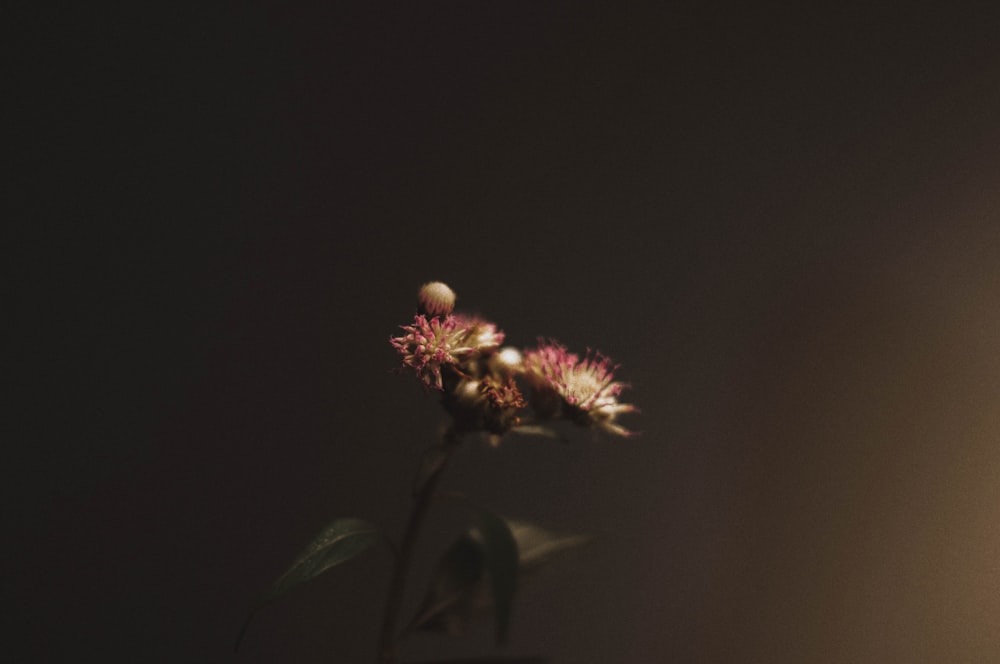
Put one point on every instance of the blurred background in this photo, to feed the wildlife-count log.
(784, 226)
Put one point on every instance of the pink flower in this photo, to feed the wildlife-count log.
(481, 336)
(585, 389)
(433, 344)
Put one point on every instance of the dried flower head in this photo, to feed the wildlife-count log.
(504, 400)
(492, 403)
(584, 390)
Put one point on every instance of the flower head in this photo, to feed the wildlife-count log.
(585, 390)
(480, 383)
(481, 336)
(492, 403)
(505, 402)
(429, 345)
(433, 344)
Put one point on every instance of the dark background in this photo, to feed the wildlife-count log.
(783, 225)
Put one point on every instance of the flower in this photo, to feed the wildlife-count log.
(491, 403)
(482, 336)
(584, 390)
(504, 400)
(429, 345)
(433, 344)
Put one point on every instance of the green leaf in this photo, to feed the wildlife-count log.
(500, 559)
(340, 541)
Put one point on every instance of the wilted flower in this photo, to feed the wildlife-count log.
(505, 402)
(491, 403)
(585, 390)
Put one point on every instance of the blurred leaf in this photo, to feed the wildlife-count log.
(537, 546)
(340, 541)
(460, 588)
(500, 557)
(457, 589)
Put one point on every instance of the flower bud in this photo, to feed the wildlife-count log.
(435, 299)
(507, 362)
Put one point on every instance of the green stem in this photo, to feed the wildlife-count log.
(422, 501)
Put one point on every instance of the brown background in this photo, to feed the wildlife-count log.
(784, 226)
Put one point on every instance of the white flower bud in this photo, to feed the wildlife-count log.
(507, 362)
(436, 299)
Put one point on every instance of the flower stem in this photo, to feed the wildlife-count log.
(421, 503)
